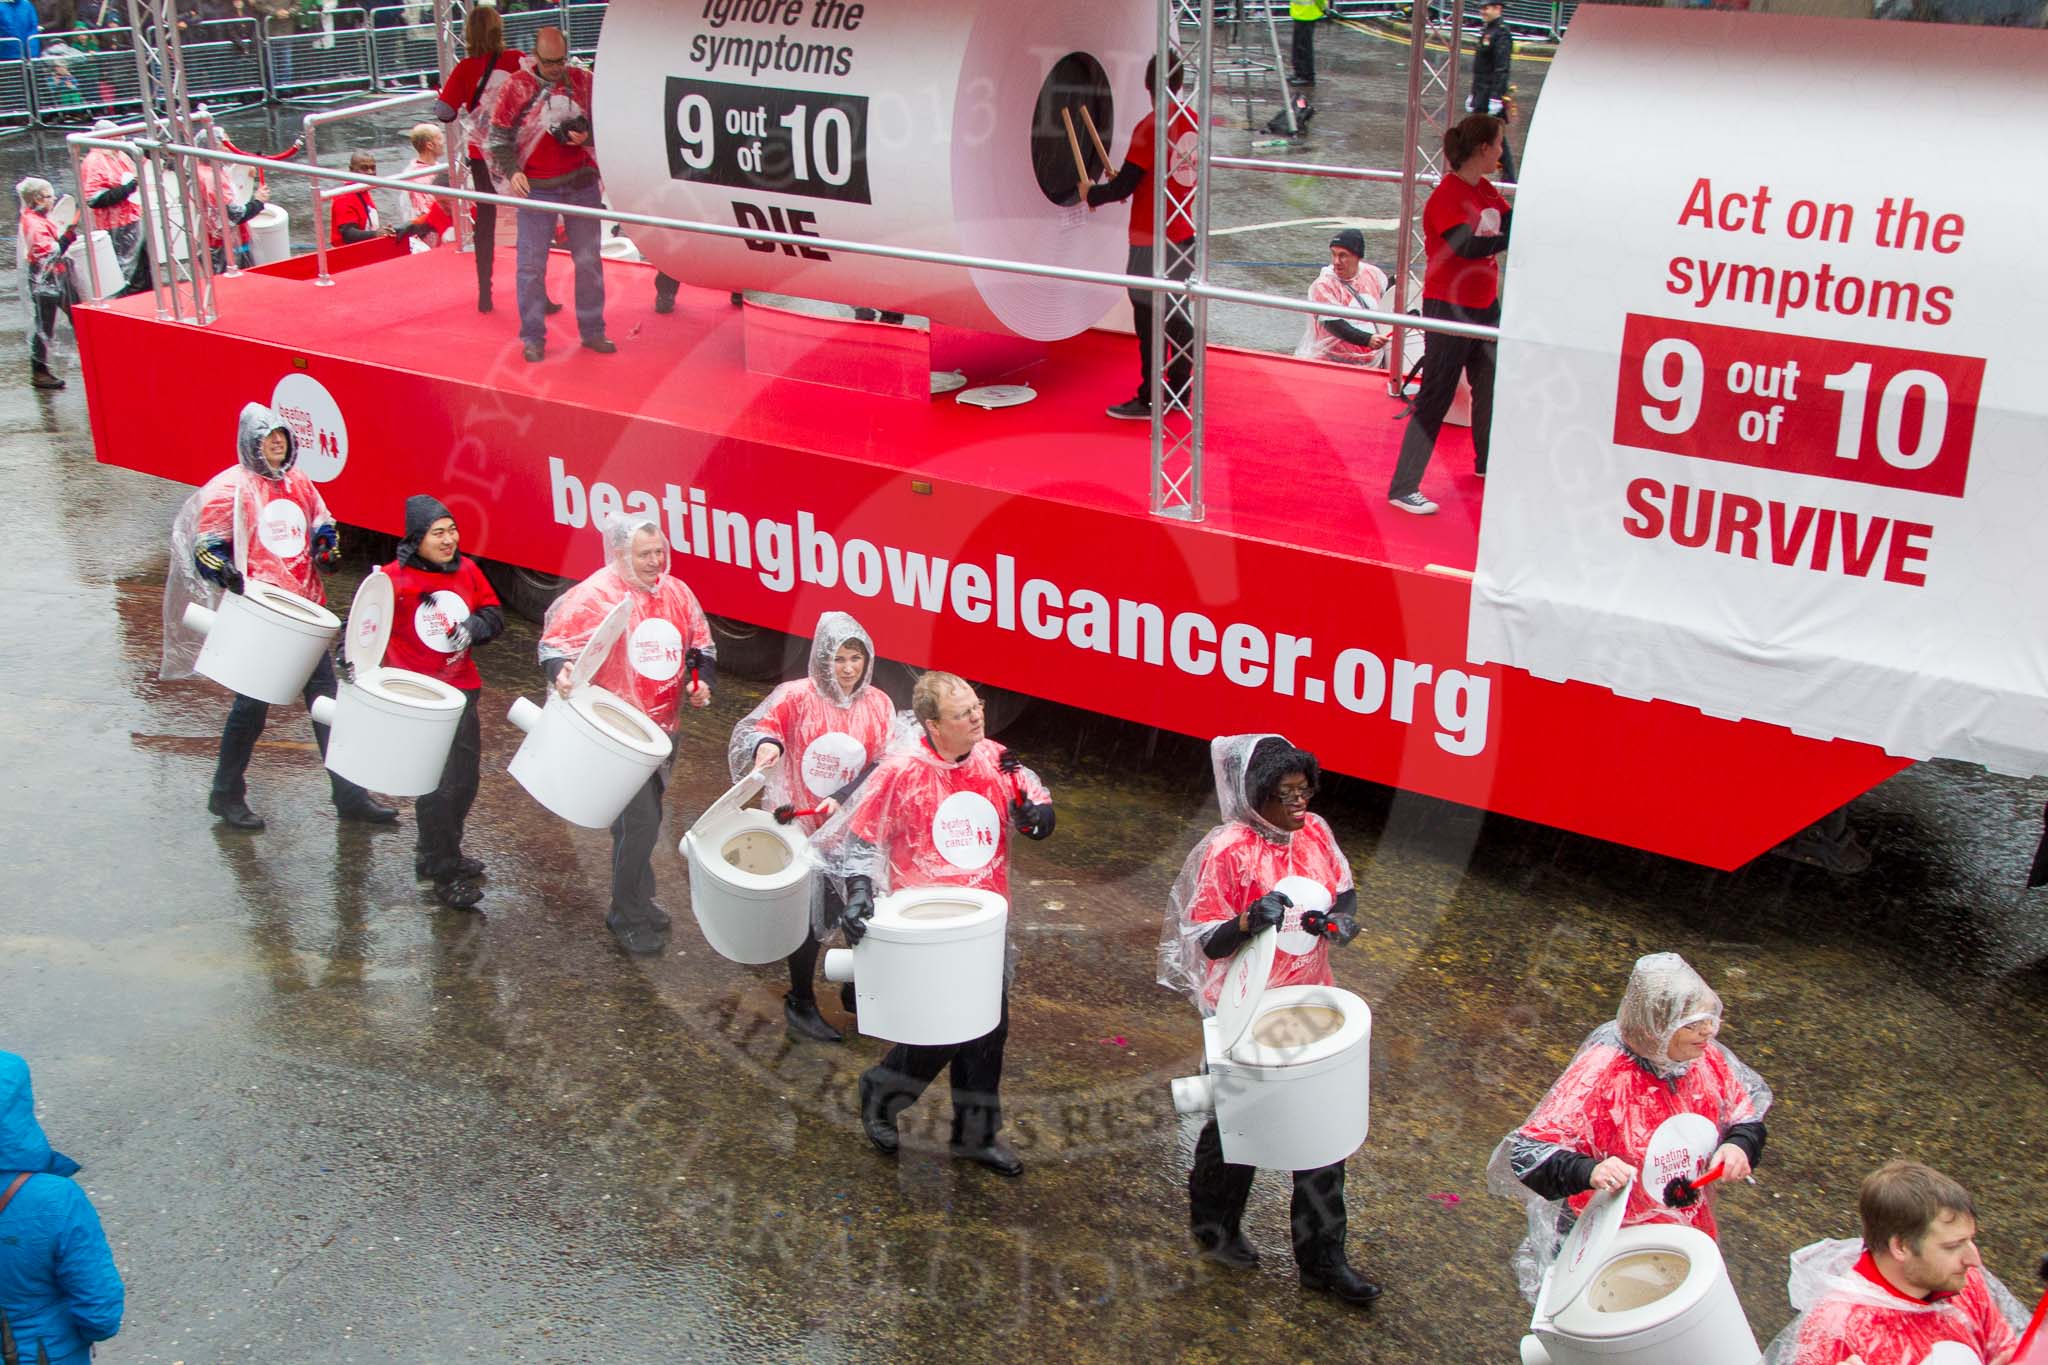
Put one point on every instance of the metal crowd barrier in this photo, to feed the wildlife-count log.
(1545, 20)
(90, 74)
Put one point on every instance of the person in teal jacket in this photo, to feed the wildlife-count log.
(59, 1291)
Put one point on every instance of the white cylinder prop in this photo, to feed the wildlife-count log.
(270, 235)
(933, 124)
(109, 263)
(263, 642)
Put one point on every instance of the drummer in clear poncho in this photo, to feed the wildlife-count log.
(665, 654)
(1659, 1060)
(937, 811)
(817, 738)
(1222, 898)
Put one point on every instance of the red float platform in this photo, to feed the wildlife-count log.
(1013, 546)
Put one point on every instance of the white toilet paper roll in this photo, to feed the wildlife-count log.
(925, 123)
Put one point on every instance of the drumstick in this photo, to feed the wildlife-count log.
(1074, 142)
(785, 814)
(1095, 138)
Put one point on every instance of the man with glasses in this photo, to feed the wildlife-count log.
(541, 144)
(1224, 897)
(937, 811)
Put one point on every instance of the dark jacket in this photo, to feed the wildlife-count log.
(1491, 55)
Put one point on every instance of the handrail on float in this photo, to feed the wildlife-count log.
(314, 122)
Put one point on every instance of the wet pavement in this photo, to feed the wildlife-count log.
(325, 1120)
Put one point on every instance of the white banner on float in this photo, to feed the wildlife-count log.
(1771, 437)
(937, 124)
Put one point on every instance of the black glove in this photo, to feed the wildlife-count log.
(1009, 762)
(69, 236)
(326, 549)
(231, 579)
(860, 908)
(1340, 925)
(214, 559)
(578, 124)
(1033, 820)
(704, 665)
(1267, 911)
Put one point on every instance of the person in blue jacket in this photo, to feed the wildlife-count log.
(59, 1291)
(18, 28)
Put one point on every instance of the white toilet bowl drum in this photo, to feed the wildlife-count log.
(930, 969)
(750, 883)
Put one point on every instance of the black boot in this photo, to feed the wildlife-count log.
(483, 296)
(1338, 1279)
(805, 1022)
(234, 812)
(460, 868)
(368, 811)
(975, 1140)
(458, 893)
(41, 378)
(1228, 1249)
(878, 1112)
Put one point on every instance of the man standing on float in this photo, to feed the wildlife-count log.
(1222, 898)
(665, 654)
(817, 738)
(933, 814)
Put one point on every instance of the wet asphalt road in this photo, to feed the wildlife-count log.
(325, 1120)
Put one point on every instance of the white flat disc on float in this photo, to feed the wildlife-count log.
(945, 381)
(997, 395)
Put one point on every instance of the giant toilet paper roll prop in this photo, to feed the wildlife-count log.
(929, 970)
(585, 755)
(1288, 1071)
(270, 235)
(750, 883)
(921, 123)
(392, 728)
(108, 261)
(1652, 1294)
(263, 642)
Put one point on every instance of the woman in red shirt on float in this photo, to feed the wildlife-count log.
(1466, 223)
(472, 89)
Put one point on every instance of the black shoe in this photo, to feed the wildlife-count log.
(459, 868)
(875, 1120)
(1341, 1282)
(43, 379)
(644, 940)
(534, 351)
(458, 894)
(1132, 410)
(234, 812)
(550, 307)
(994, 1154)
(1231, 1250)
(805, 1022)
(367, 812)
(664, 303)
(483, 300)
(602, 345)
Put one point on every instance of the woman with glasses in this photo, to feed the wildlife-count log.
(1222, 898)
(1658, 1060)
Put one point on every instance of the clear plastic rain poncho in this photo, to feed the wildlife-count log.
(1843, 1315)
(921, 821)
(530, 109)
(827, 735)
(1618, 1091)
(113, 176)
(282, 516)
(41, 278)
(1236, 863)
(652, 662)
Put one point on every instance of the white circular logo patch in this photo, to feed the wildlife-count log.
(282, 529)
(656, 649)
(832, 761)
(966, 831)
(1304, 895)
(1951, 1353)
(1180, 163)
(435, 622)
(318, 429)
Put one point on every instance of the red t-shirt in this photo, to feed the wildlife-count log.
(350, 209)
(1183, 151)
(427, 608)
(461, 89)
(1449, 277)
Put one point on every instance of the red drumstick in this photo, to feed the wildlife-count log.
(785, 814)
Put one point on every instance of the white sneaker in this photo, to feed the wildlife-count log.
(1416, 503)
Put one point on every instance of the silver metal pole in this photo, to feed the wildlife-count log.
(1279, 71)
(1197, 305)
(1162, 116)
(1404, 250)
(312, 136)
(92, 258)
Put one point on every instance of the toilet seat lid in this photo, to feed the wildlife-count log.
(602, 641)
(1681, 1146)
(369, 622)
(1584, 1251)
(729, 804)
(1244, 985)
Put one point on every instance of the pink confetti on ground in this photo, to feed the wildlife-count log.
(1446, 1198)
(1118, 1041)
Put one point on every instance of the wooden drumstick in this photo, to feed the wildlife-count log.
(1095, 138)
(1074, 142)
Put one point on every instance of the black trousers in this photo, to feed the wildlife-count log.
(1180, 329)
(442, 811)
(46, 328)
(245, 726)
(1217, 1191)
(1444, 358)
(977, 1077)
(1305, 51)
(803, 963)
(484, 231)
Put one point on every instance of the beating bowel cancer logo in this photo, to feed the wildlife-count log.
(965, 830)
(656, 649)
(832, 761)
(318, 429)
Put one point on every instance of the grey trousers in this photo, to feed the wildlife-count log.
(634, 835)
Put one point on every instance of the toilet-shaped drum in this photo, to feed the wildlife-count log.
(1288, 1070)
(750, 879)
(584, 756)
(929, 970)
(392, 728)
(1651, 1294)
(264, 641)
